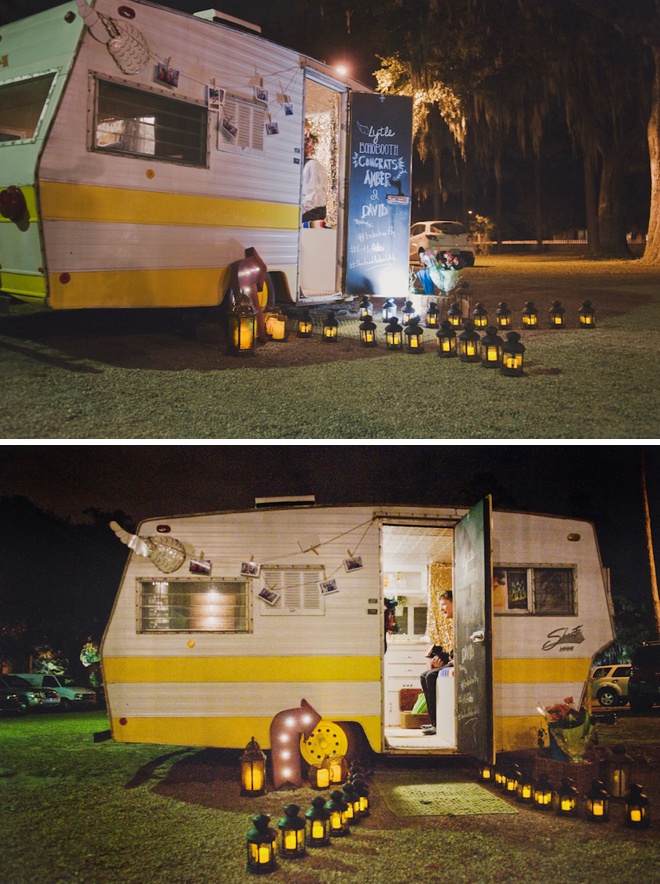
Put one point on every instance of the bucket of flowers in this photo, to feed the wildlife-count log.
(443, 268)
(570, 731)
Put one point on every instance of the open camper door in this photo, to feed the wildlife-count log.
(473, 632)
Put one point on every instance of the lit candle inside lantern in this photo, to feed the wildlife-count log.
(317, 829)
(335, 772)
(276, 328)
(264, 853)
(491, 354)
(635, 815)
(413, 341)
(243, 336)
(469, 348)
(446, 346)
(566, 804)
(255, 779)
(335, 820)
(290, 841)
(323, 777)
(597, 809)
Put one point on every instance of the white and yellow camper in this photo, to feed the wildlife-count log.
(144, 150)
(225, 620)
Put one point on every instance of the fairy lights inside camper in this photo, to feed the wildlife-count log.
(253, 769)
(261, 845)
(291, 833)
(241, 319)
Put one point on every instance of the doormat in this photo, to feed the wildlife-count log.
(441, 799)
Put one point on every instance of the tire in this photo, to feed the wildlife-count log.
(608, 697)
(65, 705)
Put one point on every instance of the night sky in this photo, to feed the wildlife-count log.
(601, 483)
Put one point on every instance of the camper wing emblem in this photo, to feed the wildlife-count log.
(126, 44)
(166, 553)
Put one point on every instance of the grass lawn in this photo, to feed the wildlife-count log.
(76, 810)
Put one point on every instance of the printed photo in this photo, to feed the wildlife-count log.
(270, 597)
(328, 587)
(288, 108)
(260, 94)
(166, 75)
(250, 569)
(228, 129)
(216, 97)
(200, 566)
(273, 128)
(353, 564)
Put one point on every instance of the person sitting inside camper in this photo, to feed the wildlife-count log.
(314, 183)
(440, 660)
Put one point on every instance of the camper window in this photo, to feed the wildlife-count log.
(194, 605)
(534, 590)
(21, 105)
(297, 588)
(131, 121)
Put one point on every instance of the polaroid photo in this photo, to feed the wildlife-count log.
(327, 587)
(200, 566)
(250, 569)
(288, 108)
(228, 129)
(353, 564)
(272, 128)
(216, 97)
(167, 75)
(270, 597)
(261, 94)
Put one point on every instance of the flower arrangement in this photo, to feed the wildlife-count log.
(450, 261)
(570, 730)
(443, 268)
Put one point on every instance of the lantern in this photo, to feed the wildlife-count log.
(530, 316)
(480, 316)
(618, 772)
(291, 833)
(305, 324)
(241, 320)
(338, 768)
(368, 332)
(393, 335)
(491, 348)
(598, 803)
(525, 790)
(366, 308)
(587, 315)
(503, 315)
(637, 808)
(455, 315)
(542, 793)
(337, 808)
(446, 340)
(362, 788)
(261, 841)
(513, 777)
(557, 314)
(330, 329)
(500, 776)
(319, 777)
(565, 799)
(414, 336)
(317, 823)
(253, 769)
(275, 322)
(352, 798)
(486, 773)
(512, 355)
(389, 309)
(408, 313)
(468, 344)
(432, 315)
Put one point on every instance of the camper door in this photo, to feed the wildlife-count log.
(473, 625)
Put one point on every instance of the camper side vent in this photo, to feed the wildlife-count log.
(298, 590)
(242, 127)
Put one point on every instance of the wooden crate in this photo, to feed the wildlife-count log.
(582, 774)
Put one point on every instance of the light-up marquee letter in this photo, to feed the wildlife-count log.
(285, 730)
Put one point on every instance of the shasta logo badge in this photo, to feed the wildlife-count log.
(564, 637)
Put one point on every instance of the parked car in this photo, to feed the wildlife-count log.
(71, 696)
(29, 697)
(9, 701)
(609, 684)
(447, 235)
(644, 684)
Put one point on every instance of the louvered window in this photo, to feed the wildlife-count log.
(241, 126)
(297, 588)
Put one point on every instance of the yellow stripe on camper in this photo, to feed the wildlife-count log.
(535, 671)
(84, 202)
(136, 670)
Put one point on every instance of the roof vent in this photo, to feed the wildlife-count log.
(261, 503)
(223, 19)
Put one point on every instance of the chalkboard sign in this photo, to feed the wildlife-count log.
(472, 596)
(379, 189)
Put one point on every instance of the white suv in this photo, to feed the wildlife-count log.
(609, 684)
(449, 235)
(71, 696)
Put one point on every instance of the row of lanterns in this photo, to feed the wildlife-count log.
(564, 800)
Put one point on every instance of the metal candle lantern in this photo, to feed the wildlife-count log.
(276, 327)
(513, 777)
(414, 336)
(261, 842)
(468, 344)
(486, 773)
(512, 356)
(330, 329)
(242, 332)
(432, 315)
(557, 315)
(362, 788)
(565, 799)
(491, 348)
(598, 802)
(619, 772)
(542, 793)
(480, 316)
(291, 833)
(337, 808)
(305, 324)
(503, 315)
(530, 316)
(408, 313)
(319, 777)
(368, 332)
(525, 791)
(394, 335)
(587, 315)
(455, 315)
(253, 769)
(317, 823)
(389, 310)
(366, 308)
(352, 798)
(637, 808)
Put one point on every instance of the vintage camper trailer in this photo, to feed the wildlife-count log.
(223, 621)
(144, 150)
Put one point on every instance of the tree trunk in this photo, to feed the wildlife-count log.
(649, 546)
(591, 206)
(610, 206)
(652, 250)
(538, 213)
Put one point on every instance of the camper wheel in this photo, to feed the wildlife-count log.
(266, 295)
